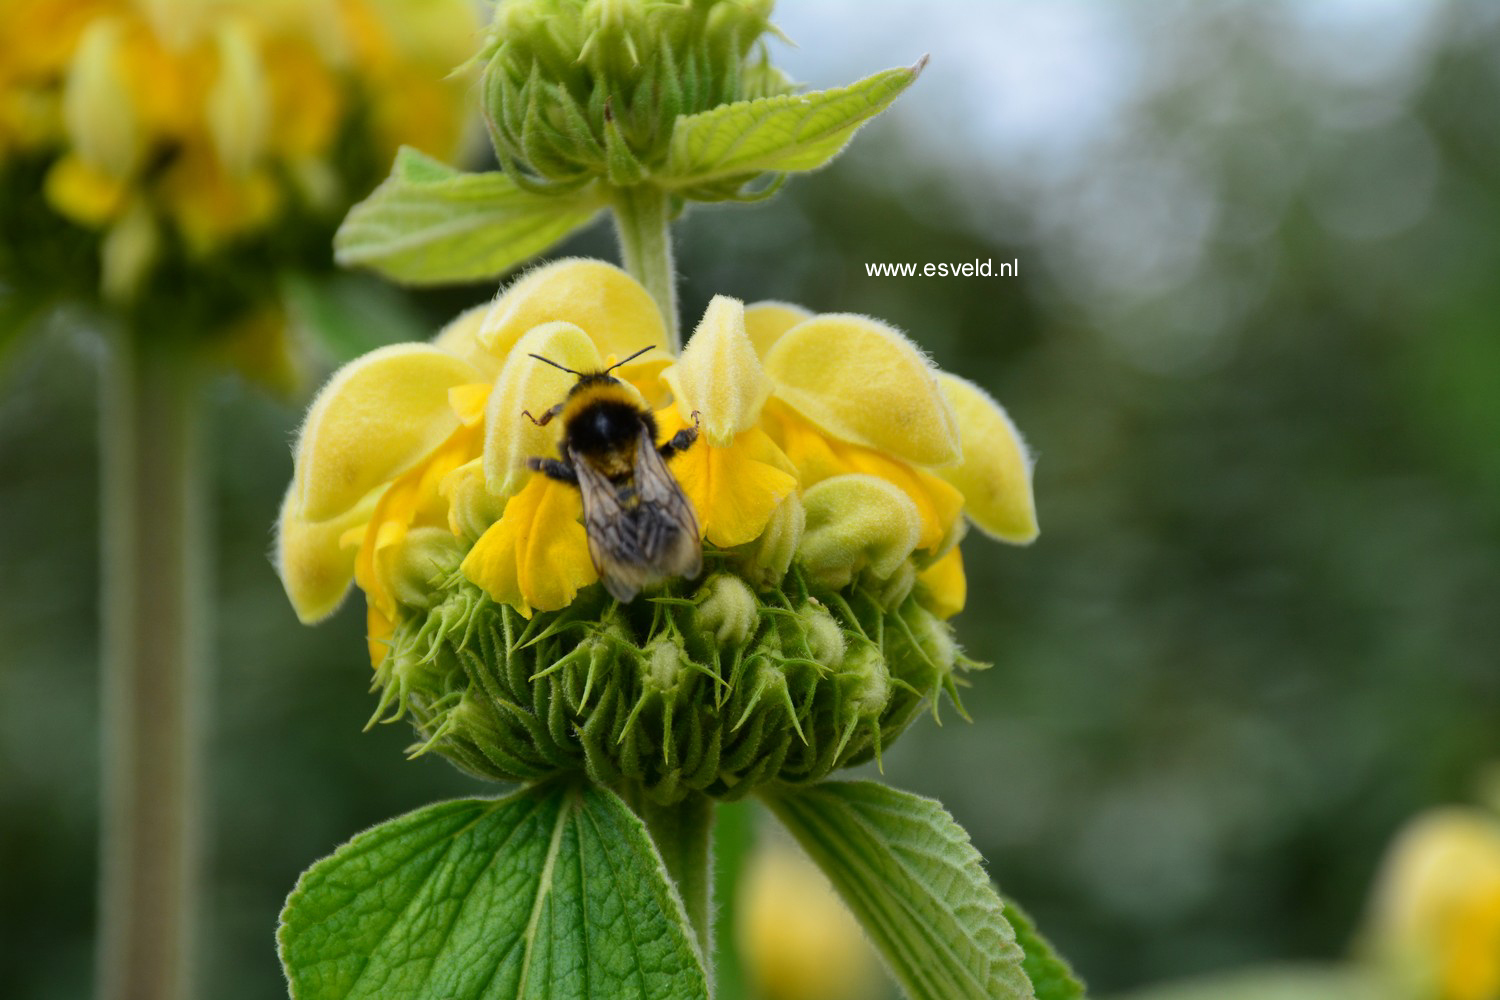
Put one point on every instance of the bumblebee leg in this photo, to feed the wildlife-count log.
(681, 441)
(553, 468)
(546, 417)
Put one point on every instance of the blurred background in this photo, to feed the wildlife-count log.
(1255, 344)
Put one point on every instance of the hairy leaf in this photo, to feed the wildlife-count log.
(428, 223)
(910, 875)
(554, 892)
(1050, 975)
(786, 132)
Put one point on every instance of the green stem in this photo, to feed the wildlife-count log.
(683, 834)
(643, 226)
(154, 545)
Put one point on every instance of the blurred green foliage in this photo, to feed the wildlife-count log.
(1259, 628)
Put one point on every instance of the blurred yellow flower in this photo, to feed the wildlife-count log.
(840, 409)
(796, 939)
(1436, 909)
(200, 121)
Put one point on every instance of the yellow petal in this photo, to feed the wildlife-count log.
(735, 489)
(1437, 907)
(857, 523)
(719, 377)
(818, 457)
(765, 322)
(460, 338)
(468, 402)
(537, 554)
(527, 385)
(414, 499)
(102, 123)
(315, 568)
(862, 381)
(942, 587)
(378, 416)
(608, 304)
(85, 194)
(995, 473)
(239, 102)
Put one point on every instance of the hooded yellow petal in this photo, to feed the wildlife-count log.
(942, 587)
(735, 489)
(378, 416)
(608, 304)
(1437, 908)
(995, 473)
(537, 554)
(817, 457)
(857, 523)
(765, 322)
(460, 338)
(527, 385)
(719, 377)
(862, 381)
(315, 568)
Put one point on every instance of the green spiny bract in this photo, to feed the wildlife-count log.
(712, 688)
(577, 90)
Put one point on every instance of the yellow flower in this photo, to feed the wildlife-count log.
(207, 119)
(797, 940)
(1436, 911)
(825, 439)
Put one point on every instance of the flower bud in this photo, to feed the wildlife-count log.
(727, 609)
(857, 523)
(575, 89)
(414, 570)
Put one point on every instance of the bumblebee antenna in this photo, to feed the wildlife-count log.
(629, 359)
(554, 364)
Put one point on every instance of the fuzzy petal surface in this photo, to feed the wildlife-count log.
(719, 376)
(765, 322)
(378, 416)
(315, 567)
(735, 489)
(537, 555)
(863, 382)
(527, 385)
(995, 473)
(609, 305)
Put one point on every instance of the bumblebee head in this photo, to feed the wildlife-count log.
(593, 378)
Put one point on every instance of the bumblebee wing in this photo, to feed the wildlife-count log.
(608, 524)
(670, 531)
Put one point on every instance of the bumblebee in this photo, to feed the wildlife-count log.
(641, 526)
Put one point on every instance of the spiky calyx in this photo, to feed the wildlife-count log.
(712, 689)
(575, 90)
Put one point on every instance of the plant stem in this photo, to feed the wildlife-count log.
(154, 548)
(684, 836)
(644, 230)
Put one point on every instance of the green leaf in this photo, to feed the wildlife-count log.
(786, 132)
(1050, 975)
(428, 223)
(554, 892)
(1305, 982)
(910, 875)
(348, 315)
